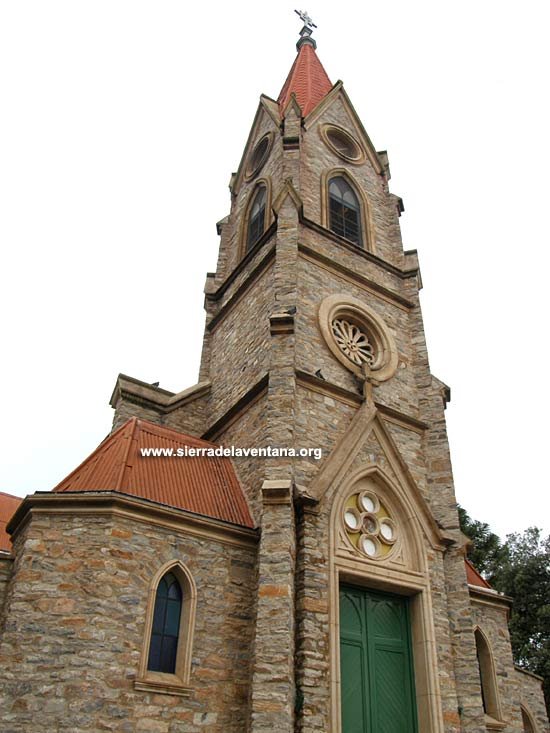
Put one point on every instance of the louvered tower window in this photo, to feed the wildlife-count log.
(166, 626)
(256, 218)
(344, 210)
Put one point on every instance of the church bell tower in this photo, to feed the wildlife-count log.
(314, 341)
(316, 582)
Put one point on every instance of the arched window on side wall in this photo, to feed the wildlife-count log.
(256, 217)
(165, 631)
(169, 628)
(344, 210)
(487, 678)
(527, 720)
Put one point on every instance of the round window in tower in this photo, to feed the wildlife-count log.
(258, 157)
(342, 144)
(358, 338)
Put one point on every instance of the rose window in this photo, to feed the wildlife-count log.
(353, 342)
(368, 525)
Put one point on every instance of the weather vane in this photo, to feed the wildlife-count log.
(306, 20)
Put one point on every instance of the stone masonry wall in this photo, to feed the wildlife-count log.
(248, 431)
(532, 698)
(126, 410)
(70, 650)
(191, 418)
(240, 347)
(320, 421)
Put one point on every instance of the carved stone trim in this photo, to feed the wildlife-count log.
(259, 155)
(368, 526)
(281, 323)
(369, 329)
(330, 133)
(277, 492)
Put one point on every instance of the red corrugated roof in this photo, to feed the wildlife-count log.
(307, 79)
(8, 505)
(203, 485)
(473, 576)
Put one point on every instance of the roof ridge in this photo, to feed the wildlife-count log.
(108, 438)
(12, 496)
(134, 421)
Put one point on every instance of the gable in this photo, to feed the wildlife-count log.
(367, 447)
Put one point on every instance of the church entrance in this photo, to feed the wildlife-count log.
(376, 663)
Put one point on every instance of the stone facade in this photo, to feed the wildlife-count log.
(75, 614)
(265, 653)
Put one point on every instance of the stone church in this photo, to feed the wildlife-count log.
(180, 593)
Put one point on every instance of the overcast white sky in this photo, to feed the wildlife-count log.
(120, 124)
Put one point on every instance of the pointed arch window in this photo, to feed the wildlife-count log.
(165, 664)
(527, 720)
(256, 217)
(166, 626)
(344, 210)
(489, 692)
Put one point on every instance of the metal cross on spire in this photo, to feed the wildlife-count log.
(306, 20)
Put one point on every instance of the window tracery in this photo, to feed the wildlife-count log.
(256, 217)
(344, 210)
(368, 524)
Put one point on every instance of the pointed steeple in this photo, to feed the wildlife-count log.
(307, 79)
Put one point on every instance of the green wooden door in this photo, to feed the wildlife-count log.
(376, 663)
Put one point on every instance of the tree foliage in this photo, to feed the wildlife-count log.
(486, 552)
(520, 568)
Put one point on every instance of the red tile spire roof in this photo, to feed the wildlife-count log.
(205, 485)
(307, 79)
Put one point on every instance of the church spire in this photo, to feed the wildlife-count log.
(307, 79)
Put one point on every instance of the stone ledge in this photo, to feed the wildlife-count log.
(489, 595)
(365, 254)
(281, 323)
(142, 393)
(527, 672)
(163, 688)
(352, 276)
(101, 503)
(493, 724)
(277, 492)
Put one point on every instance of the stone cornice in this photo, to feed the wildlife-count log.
(247, 283)
(322, 386)
(215, 293)
(403, 274)
(147, 395)
(354, 277)
(489, 596)
(530, 674)
(113, 503)
(401, 418)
